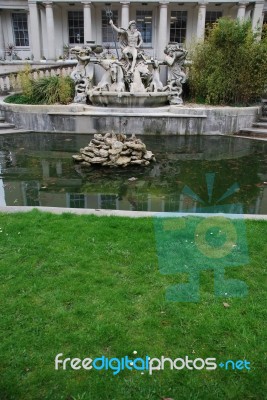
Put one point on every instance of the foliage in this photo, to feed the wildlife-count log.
(23, 81)
(230, 67)
(46, 90)
(264, 31)
(26, 80)
(54, 89)
(89, 286)
(19, 98)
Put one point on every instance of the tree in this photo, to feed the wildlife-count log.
(230, 67)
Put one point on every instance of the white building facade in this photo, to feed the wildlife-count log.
(37, 28)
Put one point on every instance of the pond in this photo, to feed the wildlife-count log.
(191, 174)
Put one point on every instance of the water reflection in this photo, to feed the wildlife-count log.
(37, 170)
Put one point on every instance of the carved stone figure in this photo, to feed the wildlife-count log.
(134, 73)
(155, 85)
(83, 73)
(141, 70)
(112, 80)
(131, 40)
(175, 58)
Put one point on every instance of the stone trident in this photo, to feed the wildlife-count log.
(109, 15)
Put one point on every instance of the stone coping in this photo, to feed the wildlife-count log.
(189, 108)
(183, 111)
(152, 113)
(33, 108)
(122, 213)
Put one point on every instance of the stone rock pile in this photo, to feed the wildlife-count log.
(115, 150)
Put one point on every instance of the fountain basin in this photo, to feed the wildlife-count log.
(166, 120)
(126, 99)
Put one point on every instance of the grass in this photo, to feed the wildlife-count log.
(87, 286)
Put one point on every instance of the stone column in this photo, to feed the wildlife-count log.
(35, 30)
(201, 21)
(2, 44)
(125, 7)
(87, 16)
(162, 34)
(241, 12)
(50, 27)
(257, 17)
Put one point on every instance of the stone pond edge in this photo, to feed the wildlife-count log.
(123, 213)
(168, 120)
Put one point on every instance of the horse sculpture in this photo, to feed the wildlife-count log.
(156, 84)
(141, 69)
(113, 79)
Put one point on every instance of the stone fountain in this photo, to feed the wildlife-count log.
(132, 79)
(127, 92)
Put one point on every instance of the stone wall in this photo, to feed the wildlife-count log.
(169, 120)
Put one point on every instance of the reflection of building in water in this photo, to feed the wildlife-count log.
(2, 190)
(76, 200)
(43, 176)
(30, 193)
(262, 202)
(260, 206)
(48, 165)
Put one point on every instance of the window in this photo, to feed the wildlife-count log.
(178, 26)
(144, 24)
(211, 18)
(76, 27)
(108, 201)
(172, 203)
(107, 35)
(139, 202)
(20, 29)
(77, 200)
(31, 190)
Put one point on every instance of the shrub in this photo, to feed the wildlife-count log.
(54, 89)
(19, 99)
(230, 67)
(23, 82)
(47, 90)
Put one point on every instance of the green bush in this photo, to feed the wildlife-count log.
(47, 90)
(230, 67)
(54, 89)
(19, 99)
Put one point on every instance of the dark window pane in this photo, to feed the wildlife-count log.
(20, 29)
(211, 18)
(107, 35)
(77, 200)
(108, 201)
(144, 24)
(76, 27)
(178, 24)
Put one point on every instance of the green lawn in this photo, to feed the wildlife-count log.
(89, 286)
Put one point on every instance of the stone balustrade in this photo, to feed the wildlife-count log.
(10, 82)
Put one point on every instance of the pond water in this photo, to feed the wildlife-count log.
(192, 174)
